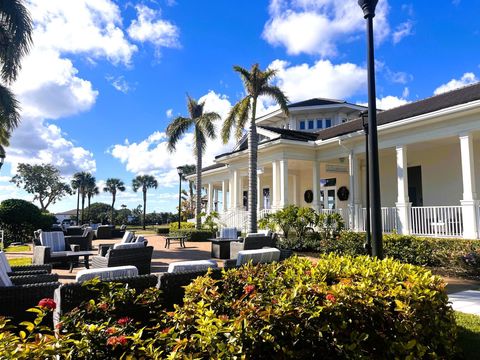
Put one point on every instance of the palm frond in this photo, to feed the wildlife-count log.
(176, 129)
(244, 74)
(9, 109)
(206, 124)
(277, 95)
(237, 117)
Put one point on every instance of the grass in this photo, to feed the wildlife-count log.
(149, 229)
(20, 248)
(468, 334)
(20, 261)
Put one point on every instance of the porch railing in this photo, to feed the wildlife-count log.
(444, 221)
(389, 219)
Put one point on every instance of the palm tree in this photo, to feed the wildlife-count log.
(80, 182)
(112, 186)
(15, 43)
(203, 128)
(257, 83)
(189, 170)
(91, 190)
(145, 182)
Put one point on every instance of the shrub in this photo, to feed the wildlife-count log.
(194, 234)
(20, 218)
(163, 230)
(183, 225)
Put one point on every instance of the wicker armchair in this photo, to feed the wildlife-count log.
(52, 249)
(140, 257)
(104, 232)
(84, 240)
(252, 242)
(22, 270)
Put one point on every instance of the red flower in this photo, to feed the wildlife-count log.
(165, 331)
(249, 288)
(59, 326)
(103, 306)
(111, 330)
(274, 301)
(47, 304)
(122, 340)
(223, 317)
(124, 321)
(331, 298)
(117, 340)
(308, 273)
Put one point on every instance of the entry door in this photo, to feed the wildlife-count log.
(245, 200)
(415, 192)
(327, 197)
(266, 198)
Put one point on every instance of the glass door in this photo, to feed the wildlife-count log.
(327, 197)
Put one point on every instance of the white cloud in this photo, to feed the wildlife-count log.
(388, 102)
(322, 79)
(149, 27)
(119, 83)
(466, 79)
(315, 27)
(169, 113)
(403, 30)
(151, 155)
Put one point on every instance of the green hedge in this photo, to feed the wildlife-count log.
(339, 308)
(194, 235)
(183, 225)
(163, 231)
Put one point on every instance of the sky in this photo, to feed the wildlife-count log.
(104, 78)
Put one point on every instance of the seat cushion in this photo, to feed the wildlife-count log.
(55, 240)
(140, 239)
(127, 237)
(228, 233)
(58, 254)
(4, 265)
(258, 256)
(196, 265)
(129, 245)
(107, 273)
(4, 279)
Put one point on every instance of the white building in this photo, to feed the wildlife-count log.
(429, 161)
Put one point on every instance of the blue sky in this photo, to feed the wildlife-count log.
(105, 77)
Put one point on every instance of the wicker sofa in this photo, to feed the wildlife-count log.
(140, 257)
(251, 242)
(104, 232)
(53, 247)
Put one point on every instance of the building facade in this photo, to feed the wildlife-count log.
(429, 161)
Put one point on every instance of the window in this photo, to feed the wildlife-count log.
(310, 124)
(302, 125)
(319, 124)
(328, 123)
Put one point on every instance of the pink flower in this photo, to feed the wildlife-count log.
(103, 306)
(331, 298)
(47, 304)
(124, 321)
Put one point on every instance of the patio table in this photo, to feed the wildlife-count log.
(72, 258)
(221, 248)
(180, 239)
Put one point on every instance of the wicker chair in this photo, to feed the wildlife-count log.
(52, 249)
(140, 257)
(104, 232)
(84, 240)
(22, 270)
(251, 242)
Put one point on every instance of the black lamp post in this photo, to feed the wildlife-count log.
(368, 239)
(368, 7)
(180, 173)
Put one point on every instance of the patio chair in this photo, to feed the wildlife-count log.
(128, 237)
(22, 270)
(136, 254)
(84, 240)
(251, 242)
(104, 232)
(228, 233)
(53, 248)
(195, 265)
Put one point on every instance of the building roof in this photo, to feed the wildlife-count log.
(316, 102)
(455, 97)
(289, 134)
(69, 212)
(212, 167)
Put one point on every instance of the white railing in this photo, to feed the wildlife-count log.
(264, 212)
(444, 221)
(235, 218)
(389, 219)
(332, 211)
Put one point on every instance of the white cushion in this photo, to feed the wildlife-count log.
(258, 256)
(127, 237)
(4, 265)
(255, 235)
(59, 254)
(86, 231)
(55, 240)
(109, 273)
(196, 265)
(228, 233)
(4, 279)
(140, 239)
(128, 245)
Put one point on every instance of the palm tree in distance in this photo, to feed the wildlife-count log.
(189, 170)
(203, 128)
(77, 183)
(113, 185)
(256, 83)
(91, 189)
(144, 182)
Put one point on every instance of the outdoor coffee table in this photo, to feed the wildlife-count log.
(180, 239)
(221, 248)
(72, 258)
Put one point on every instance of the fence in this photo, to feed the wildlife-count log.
(444, 221)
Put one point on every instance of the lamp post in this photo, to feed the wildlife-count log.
(180, 173)
(368, 7)
(368, 239)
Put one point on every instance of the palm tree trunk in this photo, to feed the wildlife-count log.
(113, 204)
(198, 207)
(88, 202)
(83, 204)
(144, 207)
(252, 171)
(78, 203)
(190, 187)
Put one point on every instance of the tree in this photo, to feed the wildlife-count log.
(256, 83)
(112, 186)
(98, 212)
(91, 190)
(80, 182)
(44, 181)
(16, 40)
(203, 128)
(189, 170)
(144, 182)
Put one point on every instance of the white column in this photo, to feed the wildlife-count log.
(210, 198)
(231, 192)
(283, 183)
(403, 202)
(316, 185)
(259, 193)
(234, 190)
(274, 199)
(224, 196)
(469, 201)
(352, 168)
(294, 186)
(357, 195)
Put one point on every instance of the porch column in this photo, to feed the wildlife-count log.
(274, 184)
(357, 195)
(316, 185)
(259, 193)
(353, 173)
(469, 201)
(403, 203)
(234, 190)
(283, 183)
(224, 196)
(210, 198)
(294, 185)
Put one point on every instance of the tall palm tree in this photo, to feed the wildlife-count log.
(112, 186)
(203, 128)
(189, 170)
(144, 182)
(79, 183)
(256, 83)
(15, 43)
(91, 190)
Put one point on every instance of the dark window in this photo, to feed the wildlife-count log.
(310, 124)
(328, 123)
(302, 125)
(319, 123)
(328, 182)
(415, 191)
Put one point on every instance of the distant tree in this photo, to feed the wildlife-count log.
(122, 216)
(98, 212)
(113, 185)
(257, 83)
(43, 181)
(203, 128)
(80, 182)
(144, 182)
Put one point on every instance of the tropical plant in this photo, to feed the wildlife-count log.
(257, 83)
(144, 182)
(16, 40)
(79, 183)
(203, 128)
(211, 221)
(43, 181)
(189, 170)
(113, 185)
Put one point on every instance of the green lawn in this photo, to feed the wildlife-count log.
(468, 334)
(149, 230)
(20, 261)
(20, 248)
